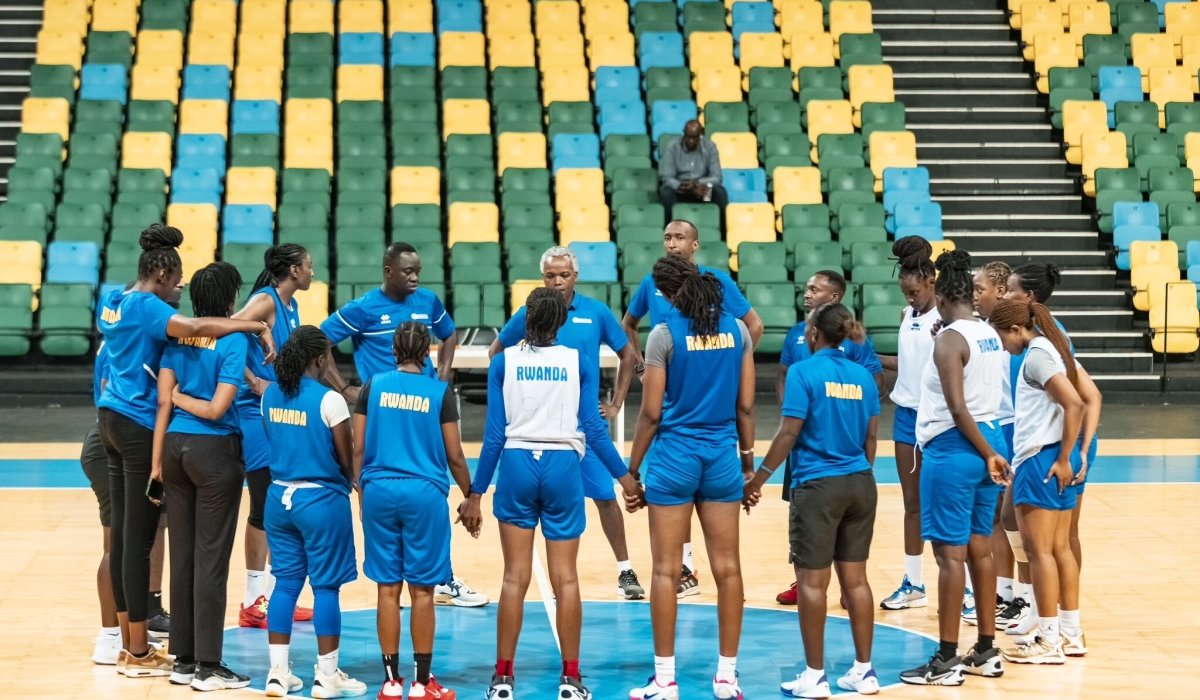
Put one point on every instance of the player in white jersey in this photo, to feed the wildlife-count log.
(958, 432)
(1055, 401)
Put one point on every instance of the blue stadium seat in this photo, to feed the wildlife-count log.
(622, 118)
(660, 50)
(103, 82)
(753, 17)
(360, 49)
(597, 261)
(110, 287)
(919, 219)
(414, 49)
(201, 151)
(669, 117)
(746, 186)
(1133, 221)
(459, 16)
(575, 151)
(247, 223)
(206, 83)
(1120, 84)
(903, 185)
(617, 84)
(256, 117)
(1193, 255)
(73, 262)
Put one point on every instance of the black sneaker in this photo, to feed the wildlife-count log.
(218, 678)
(688, 585)
(1001, 604)
(986, 664)
(572, 689)
(1013, 613)
(183, 672)
(500, 689)
(160, 624)
(628, 586)
(937, 671)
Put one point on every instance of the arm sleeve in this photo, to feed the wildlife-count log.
(594, 427)
(333, 409)
(233, 364)
(639, 305)
(157, 313)
(660, 347)
(344, 323)
(513, 332)
(733, 301)
(449, 406)
(747, 341)
(493, 430)
(364, 399)
(713, 175)
(611, 333)
(865, 355)
(443, 325)
(795, 395)
(667, 172)
(1040, 367)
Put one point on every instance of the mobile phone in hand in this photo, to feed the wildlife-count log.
(154, 490)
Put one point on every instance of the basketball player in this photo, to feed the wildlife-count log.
(309, 527)
(963, 459)
(695, 437)
(541, 412)
(830, 418)
(590, 323)
(406, 523)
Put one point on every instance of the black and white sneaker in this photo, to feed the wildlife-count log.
(160, 624)
(628, 586)
(500, 689)
(1013, 613)
(937, 671)
(688, 584)
(572, 689)
(183, 672)
(218, 678)
(986, 664)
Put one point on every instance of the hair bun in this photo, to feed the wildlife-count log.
(912, 251)
(953, 260)
(159, 236)
(1054, 274)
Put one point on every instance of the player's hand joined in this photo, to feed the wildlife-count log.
(634, 493)
(751, 495)
(609, 411)
(470, 515)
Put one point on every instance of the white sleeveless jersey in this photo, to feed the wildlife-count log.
(1038, 418)
(541, 398)
(982, 382)
(1006, 398)
(914, 350)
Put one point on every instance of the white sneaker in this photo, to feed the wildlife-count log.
(863, 684)
(572, 689)
(1039, 651)
(459, 594)
(107, 650)
(968, 608)
(727, 690)
(1025, 625)
(335, 685)
(1074, 646)
(810, 684)
(280, 682)
(500, 689)
(906, 596)
(653, 691)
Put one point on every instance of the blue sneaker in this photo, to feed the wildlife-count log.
(906, 596)
(968, 610)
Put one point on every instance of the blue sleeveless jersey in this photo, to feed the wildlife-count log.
(287, 320)
(702, 380)
(404, 429)
(301, 443)
(200, 364)
(134, 325)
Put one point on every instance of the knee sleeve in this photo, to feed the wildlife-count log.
(282, 608)
(327, 612)
(1018, 546)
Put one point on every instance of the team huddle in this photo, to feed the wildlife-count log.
(995, 423)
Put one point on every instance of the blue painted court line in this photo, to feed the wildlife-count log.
(617, 650)
(67, 474)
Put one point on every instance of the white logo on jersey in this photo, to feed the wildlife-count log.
(420, 317)
(581, 320)
(385, 319)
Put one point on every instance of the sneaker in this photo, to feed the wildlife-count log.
(154, 641)
(183, 673)
(986, 664)
(155, 663)
(107, 650)
(254, 616)
(122, 659)
(653, 691)
(160, 624)
(788, 597)
(571, 689)
(1025, 626)
(937, 671)
(432, 689)
(1074, 646)
(807, 685)
(302, 614)
(280, 682)
(727, 690)
(906, 596)
(1023, 639)
(218, 677)
(863, 684)
(500, 689)
(336, 685)
(392, 690)
(628, 586)
(1012, 613)
(1039, 651)
(459, 594)
(968, 610)
(688, 584)
(1001, 605)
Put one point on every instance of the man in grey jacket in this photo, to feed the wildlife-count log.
(690, 170)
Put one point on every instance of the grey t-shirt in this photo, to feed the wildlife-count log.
(1040, 368)
(660, 346)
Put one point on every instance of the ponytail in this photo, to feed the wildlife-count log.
(836, 323)
(278, 260)
(305, 345)
(1037, 317)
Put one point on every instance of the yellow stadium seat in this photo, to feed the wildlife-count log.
(309, 150)
(264, 50)
(310, 17)
(1183, 19)
(508, 17)
(1079, 118)
(250, 186)
(313, 304)
(1101, 149)
(1191, 149)
(23, 262)
(410, 16)
(154, 82)
(515, 50)
(610, 49)
(803, 17)
(146, 150)
(1191, 57)
(1152, 51)
(261, 15)
(829, 117)
(474, 222)
(416, 185)
(1151, 262)
(362, 83)
(360, 16)
(163, 48)
(869, 84)
(1174, 318)
(578, 186)
(553, 17)
(466, 117)
(718, 84)
(195, 255)
(760, 50)
(584, 221)
(46, 115)
(208, 49)
(204, 117)
(737, 151)
(311, 113)
(520, 290)
(71, 16)
(194, 220)
(709, 49)
(520, 150)
(1085, 18)
(461, 49)
(605, 17)
(810, 51)
(1039, 18)
(891, 149)
(214, 16)
(1014, 9)
(1169, 84)
(561, 50)
(115, 16)
(258, 83)
(748, 223)
(796, 186)
(59, 48)
(940, 247)
(565, 84)
(849, 18)
(1053, 51)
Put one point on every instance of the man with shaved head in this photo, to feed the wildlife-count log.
(689, 169)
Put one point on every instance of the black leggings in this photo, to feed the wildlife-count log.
(258, 481)
(134, 517)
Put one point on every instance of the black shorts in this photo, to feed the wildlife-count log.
(95, 467)
(832, 519)
(258, 481)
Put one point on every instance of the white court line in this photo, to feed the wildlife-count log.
(547, 593)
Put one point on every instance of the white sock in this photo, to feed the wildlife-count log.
(687, 556)
(1048, 629)
(664, 670)
(813, 674)
(328, 663)
(110, 632)
(914, 568)
(1068, 622)
(1004, 588)
(1025, 591)
(861, 667)
(969, 586)
(256, 582)
(279, 656)
(270, 585)
(623, 566)
(727, 668)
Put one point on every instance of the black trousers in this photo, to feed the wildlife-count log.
(202, 477)
(669, 196)
(134, 517)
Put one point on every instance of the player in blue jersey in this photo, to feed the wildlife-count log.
(695, 438)
(682, 239)
(542, 417)
(137, 324)
(198, 443)
(406, 523)
(829, 422)
(287, 269)
(309, 526)
(590, 324)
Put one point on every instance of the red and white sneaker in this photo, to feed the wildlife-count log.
(653, 691)
(432, 690)
(727, 690)
(391, 690)
(254, 616)
(302, 614)
(789, 596)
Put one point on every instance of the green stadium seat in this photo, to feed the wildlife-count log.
(362, 151)
(412, 83)
(417, 150)
(469, 151)
(1169, 186)
(358, 263)
(310, 82)
(820, 84)
(514, 85)
(254, 151)
(152, 116)
(464, 83)
(110, 48)
(470, 185)
(728, 117)
(882, 116)
(804, 224)
(654, 17)
(643, 180)
(93, 152)
(883, 326)
(703, 17)
(713, 256)
(859, 49)
(848, 185)
(306, 185)
(406, 216)
(1115, 185)
(523, 116)
(80, 222)
(1182, 119)
(121, 261)
(300, 215)
(1154, 151)
(477, 263)
(16, 319)
(762, 262)
(626, 151)
(65, 319)
(786, 150)
(706, 217)
(640, 216)
(525, 186)
(52, 81)
(1101, 50)
(1183, 226)
(362, 186)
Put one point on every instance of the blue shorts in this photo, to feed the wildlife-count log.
(545, 487)
(315, 539)
(904, 426)
(406, 532)
(1030, 487)
(1009, 429)
(1076, 464)
(256, 451)
(683, 470)
(958, 497)
(597, 482)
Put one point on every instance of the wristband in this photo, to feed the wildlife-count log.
(639, 370)
(746, 452)
(768, 471)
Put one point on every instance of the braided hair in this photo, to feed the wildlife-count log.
(954, 279)
(214, 289)
(1039, 279)
(278, 262)
(306, 344)
(697, 296)
(836, 323)
(410, 344)
(997, 272)
(545, 313)
(1035, 317)
(914, 257)
(158, 250)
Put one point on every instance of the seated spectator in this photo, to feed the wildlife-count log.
(690, 170)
